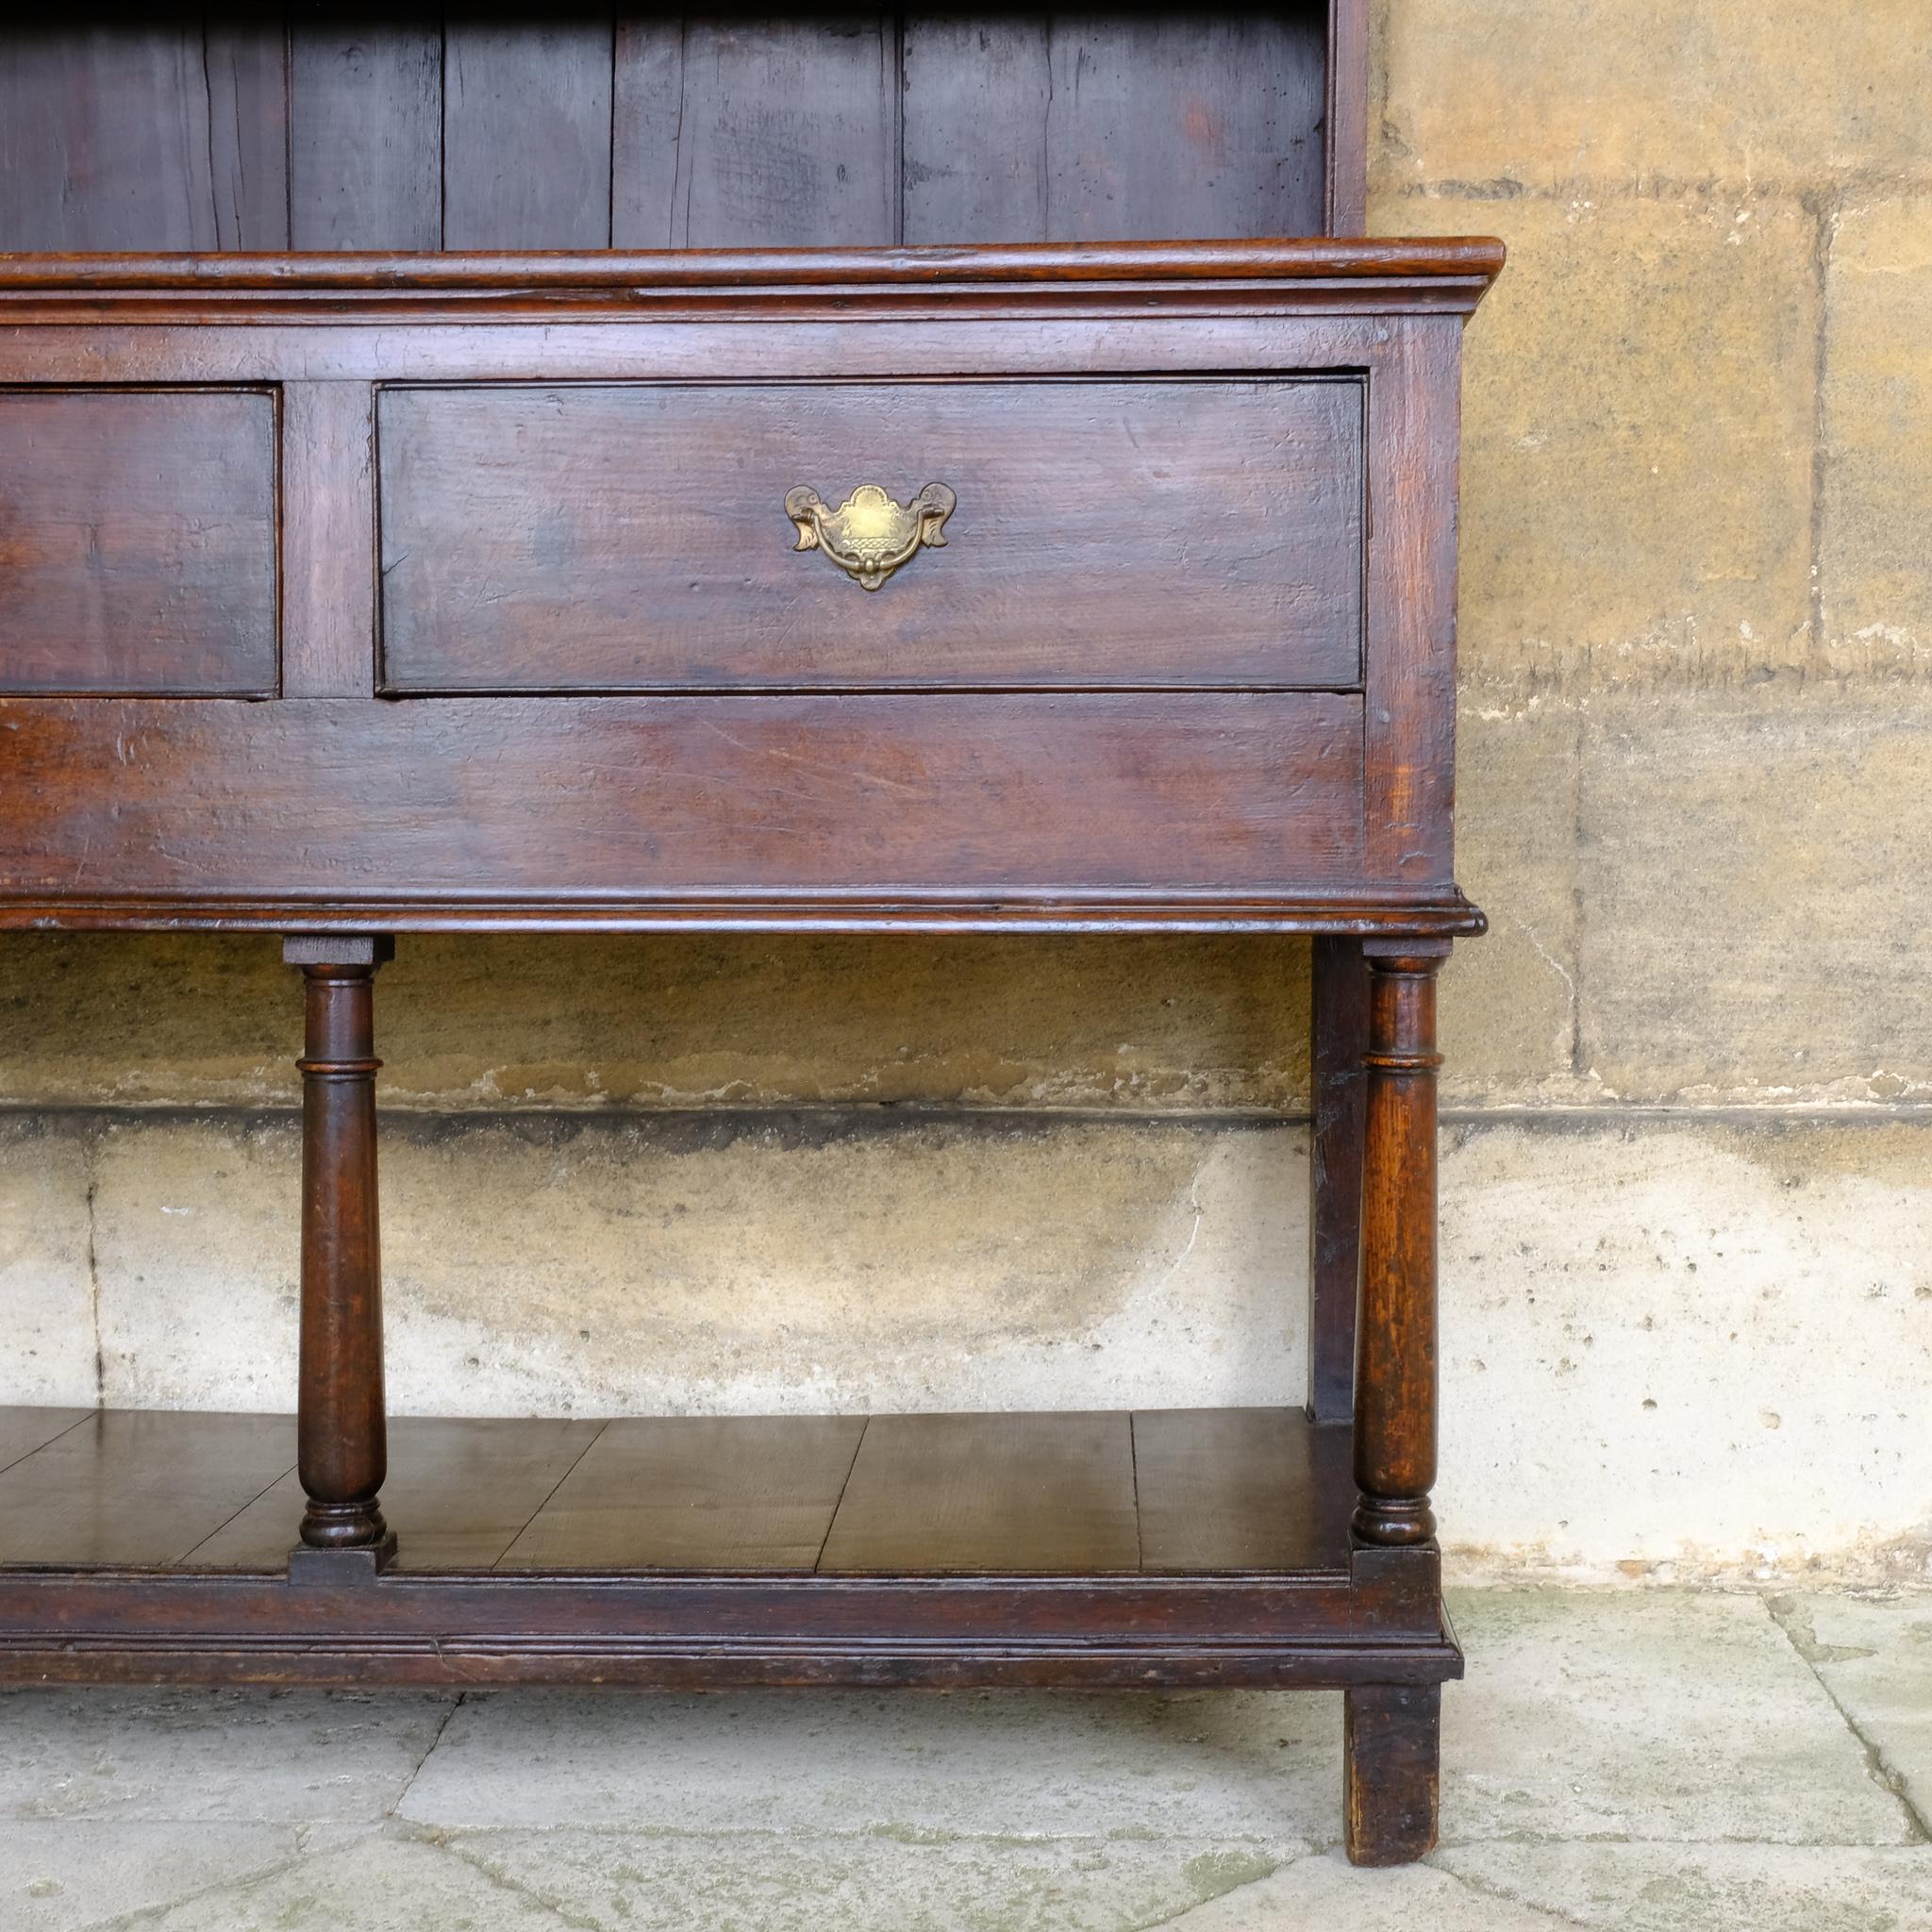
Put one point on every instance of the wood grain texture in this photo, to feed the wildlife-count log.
(1338, 1037)
(137, 541)
(1241, 1488)
(343, 1440)
(135, 1487)
(328, 539)
(977, 92)
(1391, 1776)
(1345, 120)
(527, 133)
(460, 1491)
(365, 120)
(474, 801)
(979, 1492)
(1186, 534)
(24, 1430)
(246, 55)
(1395, 1357)
(1414, 407)
(1185, 125)
(104, 138)
(697, 1493)
(756, 132)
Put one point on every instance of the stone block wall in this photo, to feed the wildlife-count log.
(1688, 1151)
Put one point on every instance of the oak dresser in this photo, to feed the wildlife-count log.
(1099, 587)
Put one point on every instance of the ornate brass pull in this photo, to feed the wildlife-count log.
(869, 535)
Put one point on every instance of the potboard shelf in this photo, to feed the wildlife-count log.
(1101, 1549)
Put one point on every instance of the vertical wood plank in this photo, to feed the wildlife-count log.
(103, 139)
(526, 134)
(328, 539)
(1184, 126)
(247, 59)
(1338, 1036)
(646, 130)
(1346, 124)
(365, 132)
(975, 95)
(756, 133)
(1410, 796)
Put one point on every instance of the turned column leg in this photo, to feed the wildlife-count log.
(342, 1450)
(1395, 1347)
(1392, 1731)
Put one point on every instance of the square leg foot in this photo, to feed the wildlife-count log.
(1392, 1757)
(342, 1569)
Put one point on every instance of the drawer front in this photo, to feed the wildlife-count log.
(137, 542)
(1071, 534)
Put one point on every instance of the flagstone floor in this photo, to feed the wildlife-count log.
(1651, 1762)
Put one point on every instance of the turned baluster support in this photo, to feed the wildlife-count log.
(1392, 1744)
(1395, 1346)
(342, 1450)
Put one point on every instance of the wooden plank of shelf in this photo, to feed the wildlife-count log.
(697, 1493)
(460, 1491)
(24, 1430)
(934, 1493)
(1241, 1488)
(131, 1486)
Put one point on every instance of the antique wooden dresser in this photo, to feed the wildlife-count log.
(1097, 585)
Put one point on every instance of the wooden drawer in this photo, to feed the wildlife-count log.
(1191, 532)
(137, 542)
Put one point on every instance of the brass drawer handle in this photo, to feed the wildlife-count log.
(869, 535)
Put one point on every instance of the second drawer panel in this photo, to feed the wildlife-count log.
(1174, 532)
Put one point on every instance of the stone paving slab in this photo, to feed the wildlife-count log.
(1874, 1655)
(1752, 1888)
(366, 1883)
(632, 1882)
(1236, 1768)
(1663, 1715)
(66, 1875)
(232, 1756)
(1325, 1893)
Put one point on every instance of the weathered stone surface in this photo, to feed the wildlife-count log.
(1875, 563)
(1325, 1891)
(1160, 1025)
(1253, 1770)
(46, 1289)
(74, 1874)
(210, 1756)
(770, 1882)
(1638, 422)
(1508, 1002)
(1636, 91)
(1755, 873)
(1706, 1888)
(369, 1883)
(1875, 1655)
(1659, 1714)
(1688, 1349)
(797, 1263)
